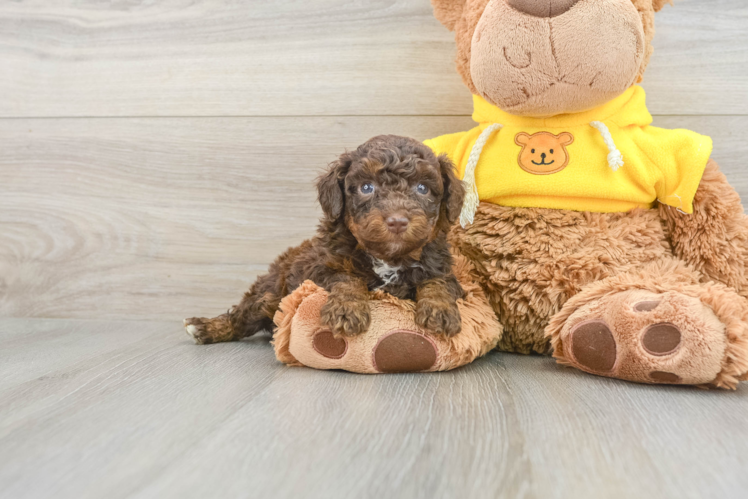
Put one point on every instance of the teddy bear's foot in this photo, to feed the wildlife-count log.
(636, 335)
(393, 343)
(663, 338)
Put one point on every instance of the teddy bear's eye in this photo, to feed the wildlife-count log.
(551, 151)
(533, 151)
(367, 188)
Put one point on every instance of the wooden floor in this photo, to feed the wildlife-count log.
(156, 155)
(131, 408)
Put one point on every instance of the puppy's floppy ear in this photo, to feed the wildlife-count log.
(448, 12)
(454, 190)
(331, 188)
(659, 4)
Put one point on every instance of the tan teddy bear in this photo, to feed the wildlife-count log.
(628, 259)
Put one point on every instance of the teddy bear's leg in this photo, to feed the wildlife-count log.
(714, 239)
(659, 324)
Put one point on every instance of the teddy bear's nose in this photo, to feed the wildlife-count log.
(542, 8)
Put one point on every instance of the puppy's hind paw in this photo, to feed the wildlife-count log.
(209, 331)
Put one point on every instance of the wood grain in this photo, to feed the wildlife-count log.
(285, 57)
(169, 218)
(132, 409)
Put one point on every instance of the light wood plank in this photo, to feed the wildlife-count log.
(146, 414)
(284, 57)
(168, 218)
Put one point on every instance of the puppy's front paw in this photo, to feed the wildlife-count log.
(438, 316)
(345, 316)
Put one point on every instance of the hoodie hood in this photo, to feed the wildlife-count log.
(630, 108)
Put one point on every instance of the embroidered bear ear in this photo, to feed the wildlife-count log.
(565, 138)
(522, 139)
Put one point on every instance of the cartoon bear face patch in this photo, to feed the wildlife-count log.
(543, 153)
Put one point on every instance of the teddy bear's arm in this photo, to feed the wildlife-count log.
(714, 239)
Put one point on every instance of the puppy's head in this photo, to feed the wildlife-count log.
(393, 194)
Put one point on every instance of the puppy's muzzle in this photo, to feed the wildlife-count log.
(397, 223)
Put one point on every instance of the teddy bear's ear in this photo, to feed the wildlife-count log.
(659, 4)
(448, 12)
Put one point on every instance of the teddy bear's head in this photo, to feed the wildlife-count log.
(547, 57)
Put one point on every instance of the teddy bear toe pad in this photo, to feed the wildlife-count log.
(327, 345)
(635, 335)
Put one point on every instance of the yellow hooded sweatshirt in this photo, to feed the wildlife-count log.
(608, 159)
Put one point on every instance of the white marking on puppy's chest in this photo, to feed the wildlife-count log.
(386, 272)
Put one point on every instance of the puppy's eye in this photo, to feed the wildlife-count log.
(422, 189)
(367, 188)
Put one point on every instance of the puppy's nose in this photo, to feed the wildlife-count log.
(542, 8)
(397, 223)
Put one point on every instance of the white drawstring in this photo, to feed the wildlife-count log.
(470, 205)
(615, 158)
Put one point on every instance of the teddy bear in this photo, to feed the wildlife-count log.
(617, 247)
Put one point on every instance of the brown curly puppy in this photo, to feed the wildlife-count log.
(387, 208)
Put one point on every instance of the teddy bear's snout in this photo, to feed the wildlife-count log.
(542, 8)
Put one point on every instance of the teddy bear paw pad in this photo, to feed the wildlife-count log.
(404, 351)
(325, 343)
(594, 346)
(665, 378)
(646, 305)
(661, 339)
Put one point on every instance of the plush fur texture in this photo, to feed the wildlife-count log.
(388, 204)
(532, 261)
(548, 273)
